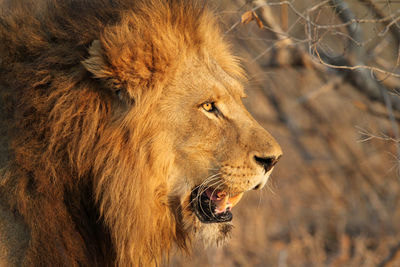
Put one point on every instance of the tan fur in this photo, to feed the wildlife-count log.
(106, 136)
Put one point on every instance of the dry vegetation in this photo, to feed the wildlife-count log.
(324, 79)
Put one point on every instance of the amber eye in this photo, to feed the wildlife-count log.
(209, 107)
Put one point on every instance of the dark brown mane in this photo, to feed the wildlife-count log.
(68, 139)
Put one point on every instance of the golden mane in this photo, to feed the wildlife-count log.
(74, 155)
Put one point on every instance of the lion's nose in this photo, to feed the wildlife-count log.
(267, 162)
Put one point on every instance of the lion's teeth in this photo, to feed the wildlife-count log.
(235, 199)
(221, 205)
(227, 203)
(222, 200)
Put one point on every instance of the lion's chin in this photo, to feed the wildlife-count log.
(214, 233)
(209, 234)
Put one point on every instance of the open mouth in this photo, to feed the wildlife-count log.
(213, 206)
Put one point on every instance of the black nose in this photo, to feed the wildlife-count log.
(267, 162)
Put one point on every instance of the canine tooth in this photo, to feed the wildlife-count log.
(235, 199)
(226, 202)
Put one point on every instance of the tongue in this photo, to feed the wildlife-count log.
(223, 201)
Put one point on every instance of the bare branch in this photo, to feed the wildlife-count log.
(345, 67)
(366, 136)
(380, 15)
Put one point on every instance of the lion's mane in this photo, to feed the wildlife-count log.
(90, 188)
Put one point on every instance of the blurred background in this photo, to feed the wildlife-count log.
(324, 79)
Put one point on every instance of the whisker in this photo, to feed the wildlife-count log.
(201, 206)
(260, 195)
(210, 181)
(211, 196)
(200, 192)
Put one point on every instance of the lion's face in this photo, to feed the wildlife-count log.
(220, 150)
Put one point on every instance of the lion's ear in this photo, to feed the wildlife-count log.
(96, 64)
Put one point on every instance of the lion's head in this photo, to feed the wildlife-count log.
(147, 112)
(219, 150)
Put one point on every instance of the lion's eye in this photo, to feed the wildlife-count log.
(209, 106)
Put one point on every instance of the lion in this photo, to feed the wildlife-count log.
(123, 132)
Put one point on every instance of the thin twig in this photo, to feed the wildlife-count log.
(367, 136)
(373, 69)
